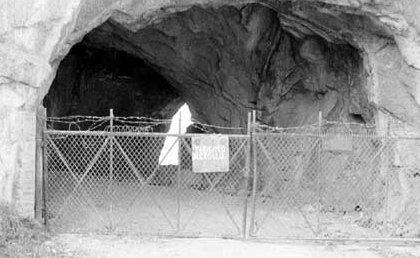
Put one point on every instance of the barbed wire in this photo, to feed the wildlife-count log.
(141, 122)
(201, 128)
(216, 126)
(148, 124)
(267, 128)
(75, 117)
(125, 124)
(80, 119)
(325, 127)
(142, 118)
(91, 123)
(128, 128)
(98, 125)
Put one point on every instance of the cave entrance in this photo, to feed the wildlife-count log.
(260, 59)
(264, 58)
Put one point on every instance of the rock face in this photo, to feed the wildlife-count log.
(226, 61)
(355, 60)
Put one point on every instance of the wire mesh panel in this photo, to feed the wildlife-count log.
(403, 188)
(214, 201)
(332, 181)
(77, 172)
(354, 176)
(286, 195)
(116, 182)
(333, 185)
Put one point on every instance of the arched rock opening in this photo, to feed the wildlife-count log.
(223, 62)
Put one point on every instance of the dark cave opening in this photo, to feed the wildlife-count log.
(223, 62)
(91, 81)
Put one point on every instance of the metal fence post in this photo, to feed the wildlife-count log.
(247, 177)
(178, 178)
(111, 154)
(45, 176)
(45, 171)
(320, 172)
(254, 174)
(389, 144)
(40, 127)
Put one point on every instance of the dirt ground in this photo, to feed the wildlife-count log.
(73, 245)
(204, 214)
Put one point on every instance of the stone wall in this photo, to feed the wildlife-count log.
(17, 159)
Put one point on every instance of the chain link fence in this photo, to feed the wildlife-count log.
(315, 182)
(334, 182)
(114, 182)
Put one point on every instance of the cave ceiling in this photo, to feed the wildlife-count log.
(287, 62)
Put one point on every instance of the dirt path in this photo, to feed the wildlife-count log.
(71, 245)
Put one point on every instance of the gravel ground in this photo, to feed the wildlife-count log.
(73, 245)
(200, 214)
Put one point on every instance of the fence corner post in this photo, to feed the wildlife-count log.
(41, 117)
(253, 164)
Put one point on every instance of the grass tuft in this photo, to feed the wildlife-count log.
(19, 236)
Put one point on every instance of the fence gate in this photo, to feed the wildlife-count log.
(310, 183)
(329, 186)
(286, 186)
(115, 182)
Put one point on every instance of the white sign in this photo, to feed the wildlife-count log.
(210, 153)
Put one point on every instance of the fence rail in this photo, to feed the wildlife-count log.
(313, 184)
